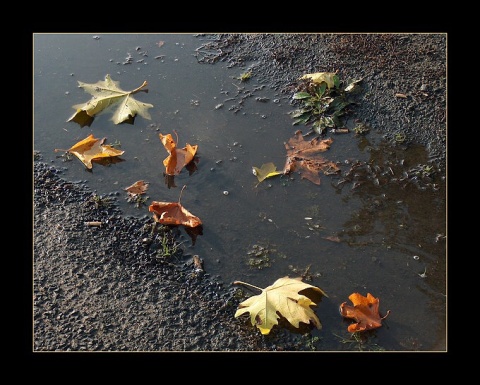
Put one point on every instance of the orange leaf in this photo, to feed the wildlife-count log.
(364, 311)
(138, 188)
(303, 156)
(90, 149)
(173, 213)
(179, 157)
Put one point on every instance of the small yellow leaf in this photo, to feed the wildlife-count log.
(266, 171)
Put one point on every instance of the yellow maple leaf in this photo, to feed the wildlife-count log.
(283, 298)
(90, 149)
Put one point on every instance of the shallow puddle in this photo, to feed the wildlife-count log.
(378, 226)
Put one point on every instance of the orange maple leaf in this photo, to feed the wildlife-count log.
(303, 156)
(92, 149)
(364, 311)
(178, 157)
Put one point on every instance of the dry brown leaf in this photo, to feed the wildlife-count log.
(173, 213)
(303, 156)
(333, 238)
(138, 188)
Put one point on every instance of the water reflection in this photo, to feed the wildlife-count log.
(403, 209)
(401, 193)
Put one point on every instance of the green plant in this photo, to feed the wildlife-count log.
(321, 106)
(168, 245)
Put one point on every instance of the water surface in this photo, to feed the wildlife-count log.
(377, 227)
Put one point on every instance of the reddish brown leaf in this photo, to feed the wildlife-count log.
(333, 238)
(303, 156)
(173, 213)
(138, 188)
(364, 311)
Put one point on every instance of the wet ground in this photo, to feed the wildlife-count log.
(379, 224)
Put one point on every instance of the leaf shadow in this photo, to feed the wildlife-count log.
(191, 167)
(108, 161)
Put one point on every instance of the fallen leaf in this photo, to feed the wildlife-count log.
(364, 311)
(138, 188)
(353, 85)
(320, 77)
(283, 298)
(107, 95)
(173, 213)
(266, 171)
(333, 238)
(92, 149)
(303, 157)
(178, 157)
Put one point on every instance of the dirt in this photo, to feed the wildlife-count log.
(112, 287)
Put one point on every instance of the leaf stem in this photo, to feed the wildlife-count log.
(176, 134)
(180, 197)
(139, 89)
(246, 284)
